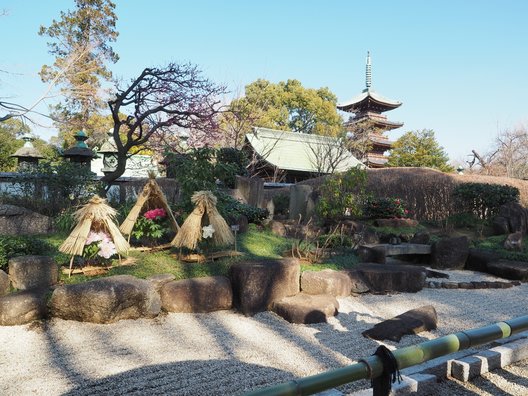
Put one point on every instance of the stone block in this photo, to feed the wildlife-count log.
(358, 285)
(258, 284)
(389, 278)
(106, 300)
(478, 259)
(23, 307)
(470, 367)
(372, 254)
(28, 272)
(306, 308)
(328, 281)
(299, 198)
(15, 220)
(411, 322)
(450, 253)
(515, 270)
(207, 294)
(159, 280)
(4, 283)
(416, 385)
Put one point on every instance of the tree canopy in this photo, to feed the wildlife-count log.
(290, 106)
(79, 40)
(161, 101)
(420, 149)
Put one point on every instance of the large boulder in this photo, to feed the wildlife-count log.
(28, 272)
(450, 253)
(23, 307)
(306, 308)
(106, 300)
(15, 220)
(4, 283)
(327, 281)
(516, 270)
(301, 202)
(512, 217)
(411, 322)
(479, 259)
(357, 283)
(207, 294)
(258, 284)
(372, 254)
(388, 278)
(159, 280)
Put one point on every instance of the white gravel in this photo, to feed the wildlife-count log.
(225, 353)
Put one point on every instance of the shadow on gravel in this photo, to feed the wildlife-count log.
(194, 377)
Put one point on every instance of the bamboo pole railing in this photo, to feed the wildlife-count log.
(372, 366)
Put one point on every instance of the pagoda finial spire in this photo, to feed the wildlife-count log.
(368, 72)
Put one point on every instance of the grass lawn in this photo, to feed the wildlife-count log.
(255, 244)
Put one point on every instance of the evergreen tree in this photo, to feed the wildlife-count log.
(79, 40)
(419, 149)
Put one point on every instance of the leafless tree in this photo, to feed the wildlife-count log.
(161, 101)
(508, 156)
(327, 154)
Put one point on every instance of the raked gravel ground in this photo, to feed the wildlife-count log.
(225, 353)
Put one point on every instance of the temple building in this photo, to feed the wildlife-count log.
(368, 108)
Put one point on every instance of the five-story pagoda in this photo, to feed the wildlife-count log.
(368, 118)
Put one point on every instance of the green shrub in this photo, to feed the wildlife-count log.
(281, 203)
(385, 208)
(231, 209)
(483, 200)
(199, 170)
(12, 246)
(237, 160)
(50, 188)
(342, 194)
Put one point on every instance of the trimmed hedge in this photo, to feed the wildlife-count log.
(483, 200)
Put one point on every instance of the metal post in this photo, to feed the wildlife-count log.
(406, 357)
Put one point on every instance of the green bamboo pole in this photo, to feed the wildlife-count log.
(406, 357)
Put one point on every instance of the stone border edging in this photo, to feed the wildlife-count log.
(422, 379)
(471, 285)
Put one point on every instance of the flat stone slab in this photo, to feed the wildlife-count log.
(405, 248)
(306, 308)
(387, 278)
(411, 322)
(515, 270)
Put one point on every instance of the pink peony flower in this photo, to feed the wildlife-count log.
(155, 214)
(95, 237)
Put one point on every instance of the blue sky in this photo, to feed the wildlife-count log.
(459, 67)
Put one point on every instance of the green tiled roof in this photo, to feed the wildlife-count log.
(298, 151)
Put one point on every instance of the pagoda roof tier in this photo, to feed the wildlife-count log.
(380, 140)
(369, 100)
(376, 161)
(378, 120)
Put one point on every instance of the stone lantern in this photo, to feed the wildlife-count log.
(79, 153)
(27, 155)
(109, 152)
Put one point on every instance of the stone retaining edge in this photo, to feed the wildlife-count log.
(421, 379)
